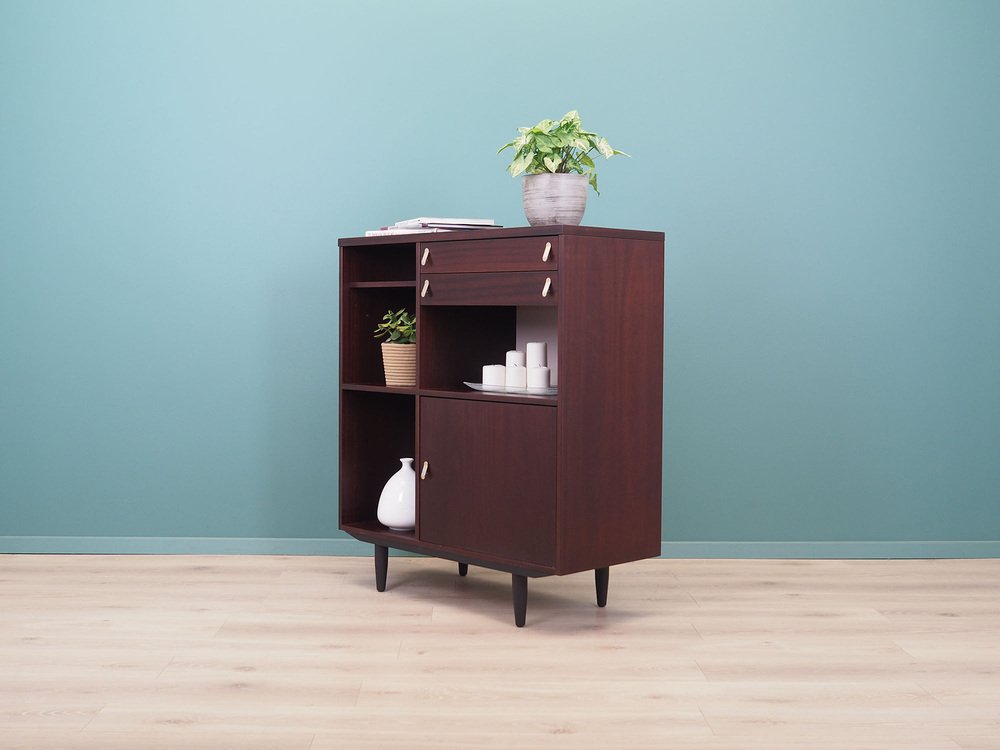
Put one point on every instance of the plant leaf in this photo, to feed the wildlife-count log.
(520, 164)
(605, 148)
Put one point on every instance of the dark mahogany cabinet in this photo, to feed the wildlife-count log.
(533, 485)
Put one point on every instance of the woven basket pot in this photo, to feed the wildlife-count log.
(400, 363)
(554, 198)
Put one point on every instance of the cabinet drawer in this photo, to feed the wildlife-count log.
(534, 288)
(481, 256)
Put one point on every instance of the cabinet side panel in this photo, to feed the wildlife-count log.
(610, 402)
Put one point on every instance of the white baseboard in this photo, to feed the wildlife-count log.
(830, 550)
(155, 545)
(348, 547)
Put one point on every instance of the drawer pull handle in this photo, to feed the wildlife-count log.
(545, 255)
(427, 286)
(423, 470)
(426, 255)
(545, 289)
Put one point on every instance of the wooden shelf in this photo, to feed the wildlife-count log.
(375, 388)
(382, 284)
(374, 532)
(462, 392)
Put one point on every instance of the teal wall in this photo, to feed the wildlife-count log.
(174, 175)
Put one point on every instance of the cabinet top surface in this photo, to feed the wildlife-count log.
(493, 234)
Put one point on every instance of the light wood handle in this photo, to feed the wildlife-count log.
(425, 256)
(545, 289)
(423, 470)
(427, 286)
(545, 255)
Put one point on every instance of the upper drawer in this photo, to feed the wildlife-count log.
(531, 288)
(480, 256)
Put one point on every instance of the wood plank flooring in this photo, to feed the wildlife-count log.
(136, 652)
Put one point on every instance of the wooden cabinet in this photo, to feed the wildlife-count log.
(531, 485)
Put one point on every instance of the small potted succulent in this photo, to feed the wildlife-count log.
(399, 351)
(554, 157)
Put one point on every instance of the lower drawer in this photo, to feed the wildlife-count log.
(525, 288)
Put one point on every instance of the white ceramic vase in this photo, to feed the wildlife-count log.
(397, 505)
(554, 198)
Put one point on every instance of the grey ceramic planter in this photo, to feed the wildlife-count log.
(554, 198)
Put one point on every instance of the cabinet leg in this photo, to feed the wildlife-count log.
(519, 585)
(463, 569)
(381, 566)
(601, 579)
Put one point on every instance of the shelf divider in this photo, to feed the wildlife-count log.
(381, 284)
(375, 388)
(461, 392)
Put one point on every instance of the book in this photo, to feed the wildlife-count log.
(442, 227)
(387, 231)
(434, 221)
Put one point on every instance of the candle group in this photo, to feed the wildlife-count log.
(522, 371)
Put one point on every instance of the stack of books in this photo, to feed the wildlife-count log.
(431, 224)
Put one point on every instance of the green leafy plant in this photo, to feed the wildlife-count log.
(397, 328)
(558, 146)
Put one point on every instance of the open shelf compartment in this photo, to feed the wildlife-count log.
(376, 430)
(455, 342)
(362, 311)
(378, 263)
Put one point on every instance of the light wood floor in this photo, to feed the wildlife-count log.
(302, 652)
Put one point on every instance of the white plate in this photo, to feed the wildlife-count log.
(512, 391)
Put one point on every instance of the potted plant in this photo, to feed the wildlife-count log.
(554, 157)
(399, 351)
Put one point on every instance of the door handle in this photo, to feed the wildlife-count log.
(423, 470)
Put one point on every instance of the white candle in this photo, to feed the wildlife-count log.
(537, 356)
(515, 358)
(494, 376)
(517, 376)
(538, 377)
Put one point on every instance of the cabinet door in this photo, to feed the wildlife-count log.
(491, 479)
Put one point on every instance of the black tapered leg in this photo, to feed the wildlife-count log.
(601, 579)
(463, 569)
(381, 566)
(519, 585)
